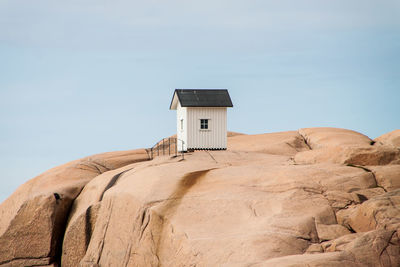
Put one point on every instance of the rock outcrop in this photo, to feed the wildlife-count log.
(391, 139)
(33, 219)
(340, 146)
(313, 197)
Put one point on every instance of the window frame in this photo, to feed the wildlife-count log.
(204, 124)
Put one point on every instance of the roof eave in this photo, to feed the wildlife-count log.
(208, 106)
(174, 104)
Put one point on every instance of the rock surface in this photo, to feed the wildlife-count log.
(313, 197)
(283, 143)
(391, 138)
(340, 146)
(33, 219)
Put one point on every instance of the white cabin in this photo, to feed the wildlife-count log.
(201, 118)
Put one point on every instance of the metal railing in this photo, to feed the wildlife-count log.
(166, 146)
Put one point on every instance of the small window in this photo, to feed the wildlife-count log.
(181, 124)
(204, 124)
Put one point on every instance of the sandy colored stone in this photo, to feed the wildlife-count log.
(32, 232)
(369, 155)
(380, 212)
(387, 177)
(341, 146)
(66, 180)
(331, 231)
(333, 259)
(78, 235)
(172, 211)
(341, 200)
(83, 215)
(342, 243)
(282, 143)
(323, 137)
(33, 219)
(314, 249)
(213, 210)
(42, 262)
(251, 205)
(231, 134)
(376, 248)
(391, 138)
(365, 194)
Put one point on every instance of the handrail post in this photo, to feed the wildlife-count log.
(183, 152)
(162, 143)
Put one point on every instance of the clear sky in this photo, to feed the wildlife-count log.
(84, 77)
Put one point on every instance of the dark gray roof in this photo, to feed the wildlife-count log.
(203, 97)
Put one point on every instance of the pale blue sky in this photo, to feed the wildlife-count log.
(84, 77)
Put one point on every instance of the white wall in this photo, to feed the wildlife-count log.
(215, 136)
(181, 113)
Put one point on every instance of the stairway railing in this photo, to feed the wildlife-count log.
(166, 146)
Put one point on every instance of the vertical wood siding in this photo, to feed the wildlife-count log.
(214, 137)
